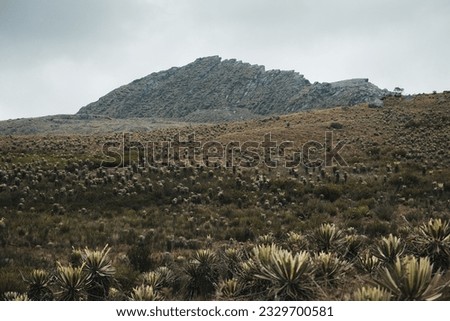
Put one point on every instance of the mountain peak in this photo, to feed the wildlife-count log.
(213, 89)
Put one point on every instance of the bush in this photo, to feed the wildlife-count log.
(139, 256)
(356, 212)
(330, 192)
(10, 281)
(336, 125)
(376, 228)
(384, 212)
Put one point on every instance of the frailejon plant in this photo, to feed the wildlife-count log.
(202, 274)
(39, 283)
(330, 269)
(371, 294)
(100, 272)
(152, 279)
(252, 287)
(248, 270)
(290, 275)
(116, 295)
(168, 277)
(139, 255)
(232, 258)
(296, 241)
(144, 293)
(433, 240)
(389, 249)
(368, 263)
(410, 279)
(76, 257)
(352, 245)
(266, 239)
(14, 296)
(71, 282)
(230, 289)
(262, 254)
(328, 237)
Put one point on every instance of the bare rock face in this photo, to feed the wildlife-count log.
(212, 89)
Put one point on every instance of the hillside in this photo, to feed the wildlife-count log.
(202, 231)
(81, 125)
(211, 89)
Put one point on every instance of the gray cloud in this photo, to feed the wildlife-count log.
(58, 55)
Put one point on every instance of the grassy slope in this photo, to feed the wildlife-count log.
(57, 204)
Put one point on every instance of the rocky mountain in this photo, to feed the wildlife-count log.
(212, 89)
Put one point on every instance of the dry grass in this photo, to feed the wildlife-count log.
(54, 195)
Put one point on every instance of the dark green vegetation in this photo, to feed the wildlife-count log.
(361, 232)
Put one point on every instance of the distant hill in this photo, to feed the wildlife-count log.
(81, 124)
(211, 89)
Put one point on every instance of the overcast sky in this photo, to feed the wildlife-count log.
(59, 55)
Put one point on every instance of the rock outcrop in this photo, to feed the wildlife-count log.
(212, 89)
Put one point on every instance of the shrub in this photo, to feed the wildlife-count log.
(376, 228)
(11, 281)
(330, 192)
(139, 256)
(356, 213)
(240, 234)
(336, 125)
(384, 212)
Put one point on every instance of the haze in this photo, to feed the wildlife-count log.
(59, 55)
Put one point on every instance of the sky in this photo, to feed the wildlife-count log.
(57, 56)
